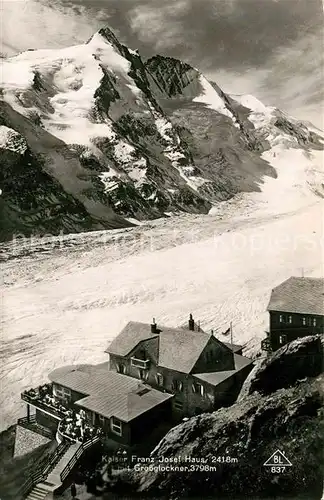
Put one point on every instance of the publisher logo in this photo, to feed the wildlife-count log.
(278, 462)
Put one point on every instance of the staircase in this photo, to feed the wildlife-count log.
(41, 492)
(52, 474)
(55, 476)
(56, 469)
(34, 488)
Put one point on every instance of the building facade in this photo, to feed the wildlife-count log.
(296, 309)
(201, 372)
(154, 375)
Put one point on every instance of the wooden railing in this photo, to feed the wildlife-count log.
(77, 455)
(38, 403)
(140, 363)
(61, 435)
(31, 424)
(45, 466)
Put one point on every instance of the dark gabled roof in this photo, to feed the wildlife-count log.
(180, 349)
(108, 393)
(216, 378)
(124, 405)
(89, 379)
(130, 336)
(298, 295)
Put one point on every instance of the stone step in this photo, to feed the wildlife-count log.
(37, 494)
(54, 476)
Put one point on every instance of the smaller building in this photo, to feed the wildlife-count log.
(122, 407)
(296, 309)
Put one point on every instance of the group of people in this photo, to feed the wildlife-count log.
(44, 394)
(75, 426)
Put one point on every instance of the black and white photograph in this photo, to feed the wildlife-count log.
(161, 250)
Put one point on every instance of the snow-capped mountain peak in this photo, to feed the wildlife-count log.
(137, 139)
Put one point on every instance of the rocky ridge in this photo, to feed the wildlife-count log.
(282, 408)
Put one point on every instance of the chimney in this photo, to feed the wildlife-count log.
(153, 327)
(191, 323)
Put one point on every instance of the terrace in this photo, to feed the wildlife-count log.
(42, 398)
(72, 426)
(75, 427)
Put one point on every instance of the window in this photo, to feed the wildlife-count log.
(143, 374)
(290, 319)
(62, 392)
(58, 391)
(282, 339)
(314, 321)
(159, 378)
(304, 321)
(116, 426)
(101, 420)
(281, 318)
(177, 385)
(121, 368)
(198, 388)
(178, 405)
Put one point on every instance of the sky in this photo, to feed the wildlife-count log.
(272, 49)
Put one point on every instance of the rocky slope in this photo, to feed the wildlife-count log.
(283, 410)
(108, 137)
